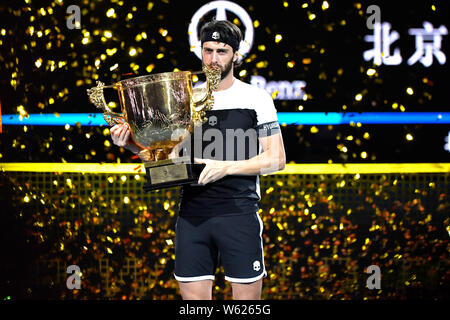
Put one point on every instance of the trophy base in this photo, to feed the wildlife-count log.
(171, 173)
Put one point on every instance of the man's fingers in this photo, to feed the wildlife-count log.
(123, 134)
(201, 161)
(175, 153)
(115, 128)
(126, 137)
(202, 177)
(120, 134)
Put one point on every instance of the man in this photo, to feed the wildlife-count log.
(218, 218)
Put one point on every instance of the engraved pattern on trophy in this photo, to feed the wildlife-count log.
(167, 103)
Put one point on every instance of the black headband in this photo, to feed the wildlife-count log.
(216, 36)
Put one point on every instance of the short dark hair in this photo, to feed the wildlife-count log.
(225, 28)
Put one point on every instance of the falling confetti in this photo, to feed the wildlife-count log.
(317, 241)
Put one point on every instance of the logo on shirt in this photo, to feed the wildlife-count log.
(212, 121)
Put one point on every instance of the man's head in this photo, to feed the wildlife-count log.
(220, 44)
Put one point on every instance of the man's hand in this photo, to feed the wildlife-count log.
(121, 136)
(213, 171)
(175, 152)
(182, 146)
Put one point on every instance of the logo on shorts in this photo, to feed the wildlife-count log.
(256, 265)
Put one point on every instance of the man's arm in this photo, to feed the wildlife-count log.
(273, 158)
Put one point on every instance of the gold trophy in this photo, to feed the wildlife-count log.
(161, 111)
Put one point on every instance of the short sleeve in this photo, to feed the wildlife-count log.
(267, 120)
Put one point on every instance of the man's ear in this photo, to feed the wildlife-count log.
(236, 57)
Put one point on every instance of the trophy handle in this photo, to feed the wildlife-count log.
(97, 98)
(207, 100)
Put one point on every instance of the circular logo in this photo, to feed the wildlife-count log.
(221, 8)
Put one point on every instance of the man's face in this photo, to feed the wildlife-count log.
(218, 54)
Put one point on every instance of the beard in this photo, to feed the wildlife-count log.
(226, 69)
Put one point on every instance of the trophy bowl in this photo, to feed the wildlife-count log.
(161, 111)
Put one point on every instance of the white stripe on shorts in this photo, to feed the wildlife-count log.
(190, 279)
(264, 273)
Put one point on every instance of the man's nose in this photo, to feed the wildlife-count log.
(214, 57)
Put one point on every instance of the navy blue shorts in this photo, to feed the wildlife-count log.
(201, 243)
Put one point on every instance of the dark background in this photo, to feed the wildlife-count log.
(333, 42)
(397, 221)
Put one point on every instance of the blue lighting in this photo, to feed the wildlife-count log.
(60, 119)
(288, 118)
(334, 118)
